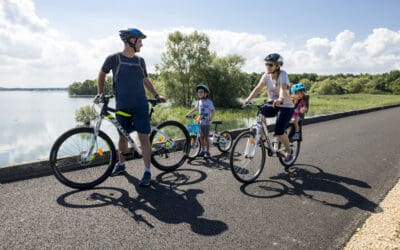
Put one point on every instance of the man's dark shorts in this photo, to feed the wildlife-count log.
(283, 117)
(139, 121)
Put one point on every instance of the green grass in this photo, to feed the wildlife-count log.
(319, 105)
(328, 104)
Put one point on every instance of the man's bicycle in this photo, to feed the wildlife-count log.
(222, 140)
(84, 157)
(247, 157)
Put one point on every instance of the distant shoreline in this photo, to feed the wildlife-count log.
(33, 89)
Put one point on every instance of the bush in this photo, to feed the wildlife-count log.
(86, 114)
(327, 87)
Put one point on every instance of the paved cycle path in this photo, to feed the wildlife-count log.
(346, 167)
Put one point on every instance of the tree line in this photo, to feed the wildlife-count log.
(188, 62)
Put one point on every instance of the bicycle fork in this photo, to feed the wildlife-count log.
(251, 144)
(93, 143)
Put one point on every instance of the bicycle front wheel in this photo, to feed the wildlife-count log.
(170, 145)
(247, 158)
(225, 141)
(81, 160)
(194, 146)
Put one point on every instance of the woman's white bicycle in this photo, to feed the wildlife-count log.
(248, 154)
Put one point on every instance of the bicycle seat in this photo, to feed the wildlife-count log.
(216, 122)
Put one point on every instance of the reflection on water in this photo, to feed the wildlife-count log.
(32, 121)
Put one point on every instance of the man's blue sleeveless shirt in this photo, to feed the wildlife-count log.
(128, 80)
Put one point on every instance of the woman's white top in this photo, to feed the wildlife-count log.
(275, 86)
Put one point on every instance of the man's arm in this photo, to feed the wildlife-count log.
(100, 82)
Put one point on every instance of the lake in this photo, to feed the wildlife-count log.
(33, 120)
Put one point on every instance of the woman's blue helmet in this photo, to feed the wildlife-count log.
(129, 33)
(297, 87)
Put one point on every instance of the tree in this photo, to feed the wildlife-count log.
(89, 87)
(226, 81)
(187, 56)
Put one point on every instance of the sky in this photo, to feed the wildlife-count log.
(52, 43)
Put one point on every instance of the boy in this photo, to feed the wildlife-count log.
(206, 111)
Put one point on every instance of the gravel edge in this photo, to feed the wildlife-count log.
(380, 230)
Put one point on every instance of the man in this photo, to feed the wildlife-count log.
(129, 80)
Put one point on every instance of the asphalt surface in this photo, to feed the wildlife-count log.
(345, 168)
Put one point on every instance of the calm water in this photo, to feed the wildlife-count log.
(32, 120)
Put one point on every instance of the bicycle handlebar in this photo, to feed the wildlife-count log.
(98, 99)
(259, 106)
(190, 116)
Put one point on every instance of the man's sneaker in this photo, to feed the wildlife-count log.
(146, 180)
(296, 136)
(207, 155)
(118, 169)
(201, 154)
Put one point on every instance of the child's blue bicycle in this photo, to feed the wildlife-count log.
(222, 140)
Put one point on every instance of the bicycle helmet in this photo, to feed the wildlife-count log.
(204, 87)
(275, 58)
(297, 87)
(125, 35)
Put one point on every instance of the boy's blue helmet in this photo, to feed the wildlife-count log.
(297, 87)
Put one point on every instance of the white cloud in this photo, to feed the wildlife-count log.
(32, 53)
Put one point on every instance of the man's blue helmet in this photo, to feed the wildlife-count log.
(129, 33)
(297, 87)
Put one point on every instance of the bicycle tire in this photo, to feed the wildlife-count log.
(245, 169)
(194, 147)
(225, 141)
(168, 155)
(294, 145)
(70, 166)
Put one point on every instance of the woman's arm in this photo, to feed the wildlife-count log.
(257, 89)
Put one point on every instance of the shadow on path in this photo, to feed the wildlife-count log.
(305, 179)
(218, 161)
(162, 200)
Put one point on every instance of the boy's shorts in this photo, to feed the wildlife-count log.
(139, 121)
(204, 130)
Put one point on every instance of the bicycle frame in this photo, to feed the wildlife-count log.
(105, 113)
(261, 129)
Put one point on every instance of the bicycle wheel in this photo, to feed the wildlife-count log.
(170, 145)
(79, 162)
(246, 158)
(225, 141)
(294, 145)
(194, 147)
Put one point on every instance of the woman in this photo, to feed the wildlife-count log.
(278, 86)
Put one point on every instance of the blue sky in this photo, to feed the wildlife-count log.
(58, 42)
(292, 19)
